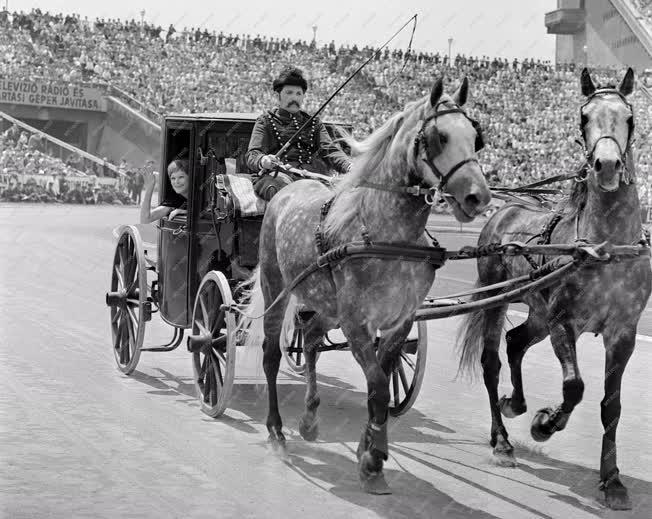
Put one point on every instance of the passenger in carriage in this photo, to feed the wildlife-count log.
(178, 173)
(312, 150)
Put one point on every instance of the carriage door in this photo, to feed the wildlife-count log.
(174, 235)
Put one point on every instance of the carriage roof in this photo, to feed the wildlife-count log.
(231, 116)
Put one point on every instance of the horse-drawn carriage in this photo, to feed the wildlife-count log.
(357, 257)
(201, 260)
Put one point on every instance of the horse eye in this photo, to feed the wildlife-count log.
(443, 138)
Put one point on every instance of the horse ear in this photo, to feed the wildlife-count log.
(587, 83)
(462, 93)
(627, 86)
(437, 91)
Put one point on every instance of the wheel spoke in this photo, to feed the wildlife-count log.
(204, 311)
(217, 325)
(397, 398)
(118, 333)
(134, 282)
(133, 316)
(132, 335)
(208, 382)
(404, 381)
(408, 361)
(218, 369)
(116, 315)
(124, 344)
(202, 328)
(121, 280)
(202, 369)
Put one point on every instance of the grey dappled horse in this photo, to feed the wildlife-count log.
(431, 144)
(606, 299)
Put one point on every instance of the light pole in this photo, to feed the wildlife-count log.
(450, 43)
(314, 33)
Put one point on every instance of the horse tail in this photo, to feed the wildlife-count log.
(251, 320)
(471, 338)
(290, 317)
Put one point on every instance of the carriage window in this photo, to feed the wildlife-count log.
(225, 146)
(178, 147)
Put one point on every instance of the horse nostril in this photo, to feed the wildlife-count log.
(472, 201)
(597, 165)
(618, 165)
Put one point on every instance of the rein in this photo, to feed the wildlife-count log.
(437, 257)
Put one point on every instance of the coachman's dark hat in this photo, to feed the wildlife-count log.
(290, 76)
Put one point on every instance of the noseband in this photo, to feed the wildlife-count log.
(623, 153)
(421, 142)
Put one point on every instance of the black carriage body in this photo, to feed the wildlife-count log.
(212, 236)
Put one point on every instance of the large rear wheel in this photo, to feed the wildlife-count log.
(405, 381)
(212, 344)
(127, 299)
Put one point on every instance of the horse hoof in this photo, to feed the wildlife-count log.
(504, 458)
(541, 429)
(309, 432)
(509, 410)
(278, 444)
(616, 496)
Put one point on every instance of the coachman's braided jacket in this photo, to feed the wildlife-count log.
(312, 150)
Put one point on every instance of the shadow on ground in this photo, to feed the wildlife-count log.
(342, 414)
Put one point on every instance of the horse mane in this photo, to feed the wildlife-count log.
(369, 155)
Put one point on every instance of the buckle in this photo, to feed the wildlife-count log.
(413, 190)
(431, 196)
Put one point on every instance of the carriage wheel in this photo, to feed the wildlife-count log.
(292, 347)
(212, 344)
(405, 381)
(129, 306)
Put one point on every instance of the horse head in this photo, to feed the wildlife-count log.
(607, 126)
(444, 154)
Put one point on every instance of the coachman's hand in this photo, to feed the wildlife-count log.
(268, 161)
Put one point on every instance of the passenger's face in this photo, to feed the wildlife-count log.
(179, 180)
(291, 98)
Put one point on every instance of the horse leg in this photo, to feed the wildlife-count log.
(313, 335)
(272, 323)
(503, 451)
(547, 421)
(373, 449)
(519, 340)
(619, 346)
(390, 345)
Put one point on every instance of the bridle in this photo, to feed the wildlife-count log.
(420, 142)
(431, 193)
(590, 159)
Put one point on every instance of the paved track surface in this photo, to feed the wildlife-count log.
(79, 439)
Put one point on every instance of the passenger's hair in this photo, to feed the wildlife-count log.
(180, 164)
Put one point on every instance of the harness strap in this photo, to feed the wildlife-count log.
(415, 190)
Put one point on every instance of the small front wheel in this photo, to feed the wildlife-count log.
(212, 344)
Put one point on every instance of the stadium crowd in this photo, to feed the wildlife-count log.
(29, 174)
(528, 109)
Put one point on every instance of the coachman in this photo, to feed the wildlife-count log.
(312, 150)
